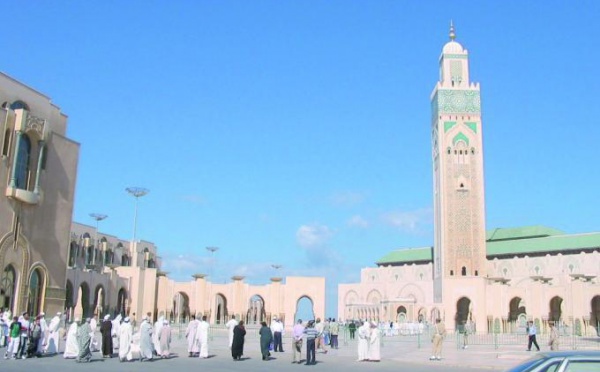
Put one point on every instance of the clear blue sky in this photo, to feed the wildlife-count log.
(298, 132)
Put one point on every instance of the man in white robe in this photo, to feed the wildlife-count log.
(125, 340)
(44, 338)
(116, 326)
(53, 335)
(202, 337)
(190, 335)
(374, 354)
(157, 328)
(94, 345)
(71, 345)
(363, 341)
(230, 326)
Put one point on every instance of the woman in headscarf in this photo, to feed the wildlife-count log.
(165, 340)
(106, 331)
(266, 337)
(84, 339)
(237, 345)
(125, 339)
(71, 346)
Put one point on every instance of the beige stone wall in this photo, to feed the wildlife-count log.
(280, 299)
(39, 218)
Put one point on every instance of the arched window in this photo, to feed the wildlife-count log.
(7, 287)
(463, 271)
(16, 105)
(73, 254)
(451, 272)
(36, 290)
(22, 171)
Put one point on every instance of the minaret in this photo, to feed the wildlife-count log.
(459, 202)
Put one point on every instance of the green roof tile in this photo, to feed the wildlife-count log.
(523, 232)
(407, 255)
(548, 244)
(518, 241)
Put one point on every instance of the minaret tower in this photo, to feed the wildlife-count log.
(459, 202)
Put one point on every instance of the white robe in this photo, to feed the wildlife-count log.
(363, 342)
(230, 326)
(94, 344)
(71, 346)
(116, 325)
(125, 340)
(53, 336)
(190, 334)
(44, 338)
(374, 345)
(157, 328)
(202, 338)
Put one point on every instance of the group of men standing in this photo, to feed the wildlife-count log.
(369, 346)
(197, 337)
(24, 337)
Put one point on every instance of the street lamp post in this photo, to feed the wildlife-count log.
(136, 192)
(98, 217)
(212, 251)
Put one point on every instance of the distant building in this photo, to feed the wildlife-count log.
(108, 275)
(497, 279)
(38, 172)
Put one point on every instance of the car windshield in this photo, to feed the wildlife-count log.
(528, 364)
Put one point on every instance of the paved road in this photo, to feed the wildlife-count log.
(396, 355)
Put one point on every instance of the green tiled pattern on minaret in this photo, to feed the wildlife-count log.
(457, 102)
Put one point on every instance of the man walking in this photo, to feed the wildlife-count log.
(334, 329)
(439, 332)
(311, 334)
(297, 334)
(532, 332)
(277, 329)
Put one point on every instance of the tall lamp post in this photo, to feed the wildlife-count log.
(212, 251)
(98, 217)
(136, 192)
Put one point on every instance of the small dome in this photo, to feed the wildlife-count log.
(452, 47)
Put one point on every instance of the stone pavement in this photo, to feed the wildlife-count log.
(396, 354)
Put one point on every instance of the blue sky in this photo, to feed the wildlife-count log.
(297, 132)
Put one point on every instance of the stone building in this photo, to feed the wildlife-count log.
(497, 279)
(38, 172)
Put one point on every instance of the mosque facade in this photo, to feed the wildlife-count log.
(49, 263)
(497, 279)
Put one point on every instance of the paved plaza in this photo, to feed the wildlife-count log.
(396, 352)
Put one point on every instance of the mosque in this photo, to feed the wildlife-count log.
(498, 279)
(49, 263)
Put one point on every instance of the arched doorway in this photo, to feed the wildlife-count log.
(401, 314)
(256, 310)
(35, 292)
(422, 317)
(69, 300)
(555, 314)
(516, 308)
(122, 302)
(84, 300)
(98, 308)
(304, 309)
(463, 312)
(220, 309)
(181, 307)
(7, 288)
(595, 315)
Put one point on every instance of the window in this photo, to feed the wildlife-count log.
(6, 144)
(7, 287)
(36, 289)
(463, 271)
(476, 273)
(583, 366)
(451, 272)
(22, 171)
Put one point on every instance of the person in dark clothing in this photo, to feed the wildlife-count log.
(106, 331)
(266, 337)
(34, 339)
(237, 346)
(352, 329)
